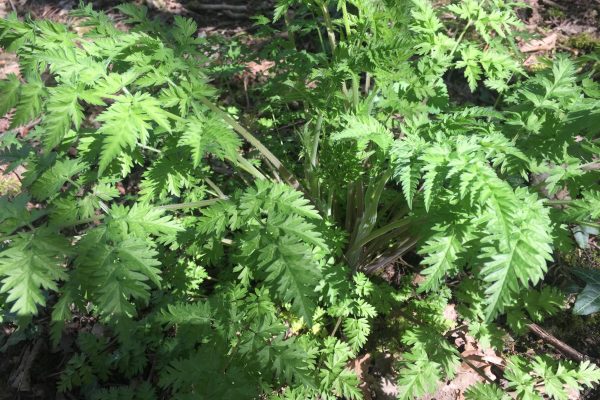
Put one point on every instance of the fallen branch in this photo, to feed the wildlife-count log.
(592, 166)
(220, 7)
(561, 346)
(554, 4)
(478, 370)
(20, 379)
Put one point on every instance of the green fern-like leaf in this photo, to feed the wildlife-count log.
(357, 330)
(279, 197)
(30, 102)
(364, 130)
(32, 264)
(126, 122)
(209, 135)
(10, 93)
(521, 257)
(481, 391)
(142, 220)
(442, 252)
(52, 180)
(289, 268)
(62, 110)
(418, 376)
(117, 273)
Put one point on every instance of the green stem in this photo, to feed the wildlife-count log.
(331, 35)
(355, 91)
(315, 146)
(590, 224)
(249, 168)
(460, 38)
(243, 132)
(5, 238)
(367, 218)
(214, 186)
(291, 37)
(72, 182)
(557, 202)
(96, 218)
(385, 229)
(192, 204)
(346, 20)
(312, 177)
(149, 148)
(328, 26)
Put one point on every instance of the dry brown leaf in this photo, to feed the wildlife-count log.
(259, 69)
(418, 279)
(546, 44)
(450, 312)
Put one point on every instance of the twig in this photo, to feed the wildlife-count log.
(220, 7)
(561, 346)
(478, 370)
(554, 4)
(20, 379)
(12, 5)
(235, 15)
(591, 166)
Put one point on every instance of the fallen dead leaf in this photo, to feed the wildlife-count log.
(546, 44)
(361, 369)
(257, 69)
(450, 312)
(418, 279)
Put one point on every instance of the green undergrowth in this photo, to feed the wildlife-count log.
(228, 243)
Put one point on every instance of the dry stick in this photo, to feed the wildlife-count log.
(219, 7)
(561, 346)
(478, 370)
(12, 5)
(20, 378)
(554, 4)
(591, 166)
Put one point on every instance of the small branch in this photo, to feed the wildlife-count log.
(554, 4)
(478, 370)
(591, 166)
(12, 5)
(561, 346)
(220, 7)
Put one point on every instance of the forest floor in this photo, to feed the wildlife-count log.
(569, 26)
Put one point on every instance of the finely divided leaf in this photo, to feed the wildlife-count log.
(62, 110)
